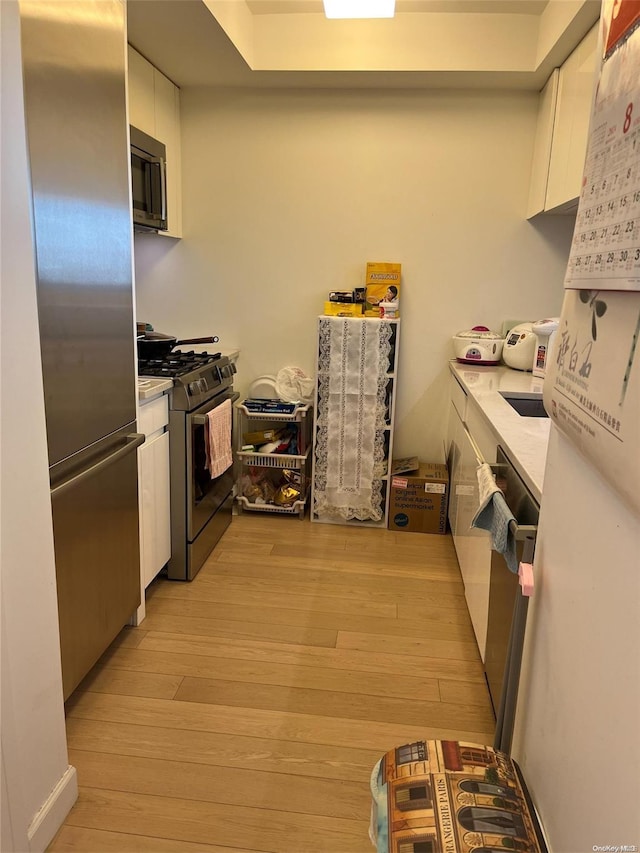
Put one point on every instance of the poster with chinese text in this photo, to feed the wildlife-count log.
(592, 392)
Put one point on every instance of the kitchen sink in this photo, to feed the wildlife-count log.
(526, 405)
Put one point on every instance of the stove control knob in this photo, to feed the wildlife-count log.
(194, 387)
(204, 385)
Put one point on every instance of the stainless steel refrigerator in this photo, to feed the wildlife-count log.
(75, 106)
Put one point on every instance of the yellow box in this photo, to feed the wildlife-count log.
(382, 284)
(343, 309)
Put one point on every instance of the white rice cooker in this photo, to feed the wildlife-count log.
(478, 346)
(519, 347)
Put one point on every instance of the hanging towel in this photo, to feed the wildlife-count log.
(495, 516)
(217, 441)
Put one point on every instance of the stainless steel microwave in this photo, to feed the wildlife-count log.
(148, 181)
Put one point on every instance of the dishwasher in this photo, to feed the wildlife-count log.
(507, 604)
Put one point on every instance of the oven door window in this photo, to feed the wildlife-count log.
(207, 495)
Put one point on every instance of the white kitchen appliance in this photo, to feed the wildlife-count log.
(519, 347)
(545, 332)
(478, 346)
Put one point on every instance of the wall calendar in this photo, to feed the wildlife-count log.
(605, 252)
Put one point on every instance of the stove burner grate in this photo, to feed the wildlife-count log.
(177, 363)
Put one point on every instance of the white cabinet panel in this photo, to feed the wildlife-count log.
(564, 112)
(542, 146)
(141, 101)
(571, 126)
(155, 535)
(154, 107)
(167, 108)
(454, 435)
(154, 415)
(473, 546)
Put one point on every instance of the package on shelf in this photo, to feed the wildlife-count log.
(343, 309)
(280, 487)
(382, 285)
(418, 501)
(260, 436)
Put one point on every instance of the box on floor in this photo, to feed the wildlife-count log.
(418, 500)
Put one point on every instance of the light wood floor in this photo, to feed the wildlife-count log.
(246, 712)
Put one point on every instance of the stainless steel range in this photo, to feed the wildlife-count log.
(200, 506)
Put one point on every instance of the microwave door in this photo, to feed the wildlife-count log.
(155, 190)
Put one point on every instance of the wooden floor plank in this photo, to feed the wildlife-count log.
(156, 621)
(255, 579)
(248, 827)
(332, 582)
(238, 594)
(273, 755)
(412, 646)
(220, 785)
(352, 660)
(224, 613)
(440, 572)
(259, 672)
(326, 703)
(283, 725)
(153, 685)
(77, 839)
(248, 709)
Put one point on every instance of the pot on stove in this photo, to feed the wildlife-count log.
(159, 345)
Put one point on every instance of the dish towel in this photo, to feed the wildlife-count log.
(495, 516)
(217, 439)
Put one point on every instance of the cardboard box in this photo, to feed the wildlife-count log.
(418, 502)
(382, 284)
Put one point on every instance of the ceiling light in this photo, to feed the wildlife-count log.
(359, 8)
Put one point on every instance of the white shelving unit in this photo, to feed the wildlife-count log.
(271, 466)
(384, 430)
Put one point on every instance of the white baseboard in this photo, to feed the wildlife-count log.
(54, 810)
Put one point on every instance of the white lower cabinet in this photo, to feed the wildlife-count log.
(473, 546)
(153, 486)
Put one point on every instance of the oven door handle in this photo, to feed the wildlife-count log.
(202, 420)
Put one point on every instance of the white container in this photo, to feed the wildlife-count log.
(546, 332)
(519, 347)
(389, 310)
(478, 346)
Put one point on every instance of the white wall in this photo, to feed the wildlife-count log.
(287, 194)
(38, 785)
(578, 735)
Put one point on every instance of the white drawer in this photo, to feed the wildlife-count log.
(458, 397)
(482, 433)
(154, 415)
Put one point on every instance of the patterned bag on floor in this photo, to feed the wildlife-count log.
(451, 796)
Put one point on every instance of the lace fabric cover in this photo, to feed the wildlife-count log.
(352, 410)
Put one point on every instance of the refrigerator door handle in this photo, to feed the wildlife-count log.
(132, 441)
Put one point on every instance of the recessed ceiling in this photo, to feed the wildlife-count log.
(493, 44)
(454, 7)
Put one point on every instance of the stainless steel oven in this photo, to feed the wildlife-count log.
(207, 502)
(200, 506)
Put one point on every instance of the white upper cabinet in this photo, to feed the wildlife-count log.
(154, 108)
(562, 132)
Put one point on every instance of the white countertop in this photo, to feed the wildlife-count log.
(149, 387)
(523, 439)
